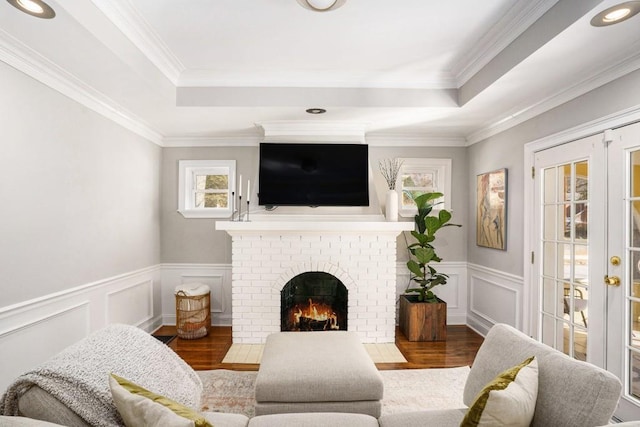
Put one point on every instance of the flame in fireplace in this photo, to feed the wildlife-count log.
(314, 316)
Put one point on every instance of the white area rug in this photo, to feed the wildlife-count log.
(252, 353)
(404, 390)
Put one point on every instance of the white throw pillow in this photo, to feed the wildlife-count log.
(140, 407)
(508, 400)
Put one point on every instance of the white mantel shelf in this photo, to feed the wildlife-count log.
(235, 227)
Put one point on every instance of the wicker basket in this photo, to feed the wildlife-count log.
(193, 315)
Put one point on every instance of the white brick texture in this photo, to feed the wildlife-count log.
(263, 264)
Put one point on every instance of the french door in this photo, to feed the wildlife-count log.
(623, 320)
(570, 191)
(587, 272)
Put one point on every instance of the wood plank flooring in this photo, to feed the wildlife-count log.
(459, 349)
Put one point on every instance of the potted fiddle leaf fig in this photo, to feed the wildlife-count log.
(423, 316)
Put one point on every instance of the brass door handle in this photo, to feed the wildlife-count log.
(612, 281)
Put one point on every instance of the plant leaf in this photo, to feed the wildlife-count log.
(432, 224)
(444, 216)
(424, 199)
(424, 255)
(415, 268)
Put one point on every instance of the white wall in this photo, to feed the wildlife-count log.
(506, 150)
(79, 224)
(193, 246)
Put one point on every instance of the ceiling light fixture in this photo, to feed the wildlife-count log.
(615, 14)
(316, 110)
(37, 8)
(321, 5)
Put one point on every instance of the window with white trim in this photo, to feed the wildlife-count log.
(424, 176)
(204, 188)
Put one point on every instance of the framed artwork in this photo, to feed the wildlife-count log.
(491, 210)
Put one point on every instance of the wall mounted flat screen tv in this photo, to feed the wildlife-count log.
(293, 174)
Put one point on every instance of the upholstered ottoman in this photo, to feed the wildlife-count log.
(317, 372)
(320, 419)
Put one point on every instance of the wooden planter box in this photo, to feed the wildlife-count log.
(423, 321)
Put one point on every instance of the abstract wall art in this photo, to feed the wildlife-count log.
(491, 225)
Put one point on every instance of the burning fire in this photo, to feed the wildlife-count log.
(317, 313)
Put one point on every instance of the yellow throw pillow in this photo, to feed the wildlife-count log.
(140, 407)
(508, 400)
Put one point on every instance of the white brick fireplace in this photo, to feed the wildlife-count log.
(267, 254)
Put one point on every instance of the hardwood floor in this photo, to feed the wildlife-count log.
(459, 349)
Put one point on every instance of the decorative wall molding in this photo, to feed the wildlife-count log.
(33, 64)
(128, 20)
(344, 131)
(515, 21)
(454, 292)
(36, 329)
(413, 140)
(607, 75)
(248, 140)
(216, 276)
(494, 297)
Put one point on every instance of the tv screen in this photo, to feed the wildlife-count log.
(313, 174)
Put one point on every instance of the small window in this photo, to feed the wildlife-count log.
(205, 188)
(425, 176)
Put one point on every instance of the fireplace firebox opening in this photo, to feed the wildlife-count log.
(314, 301)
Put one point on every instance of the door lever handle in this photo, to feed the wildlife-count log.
(612, 281)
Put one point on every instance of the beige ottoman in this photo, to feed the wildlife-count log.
(317, 372)
(320, 419)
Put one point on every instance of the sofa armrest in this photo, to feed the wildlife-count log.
(570, 392)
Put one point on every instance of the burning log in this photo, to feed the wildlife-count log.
(313, 317)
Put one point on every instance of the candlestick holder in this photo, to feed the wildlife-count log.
(246, 218)
(233, 205)
(240, 208)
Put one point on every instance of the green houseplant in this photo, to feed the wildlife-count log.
(422, 252)
(423, 316)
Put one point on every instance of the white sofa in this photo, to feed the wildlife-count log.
(571, 393)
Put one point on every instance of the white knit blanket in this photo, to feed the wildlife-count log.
(79, 375)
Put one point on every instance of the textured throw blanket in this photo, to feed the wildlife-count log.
(79, 375)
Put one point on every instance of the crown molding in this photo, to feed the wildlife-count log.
(515, 21)
(312, 128)
(622, 68)
(221, 78)
(249, 140)
(376, 140)
(128, 20)
(23, 58)
(414, 140)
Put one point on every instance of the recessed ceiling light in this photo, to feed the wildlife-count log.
(37, 8)
(321, 5)
(614, 14)
(316, 110)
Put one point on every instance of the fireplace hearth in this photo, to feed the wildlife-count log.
(314, 301)
(267, 254)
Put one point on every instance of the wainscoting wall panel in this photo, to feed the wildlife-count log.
(71, 324)
(34, 330)
(132, 305)
(216, 276)
(454, 292)
(494, 297)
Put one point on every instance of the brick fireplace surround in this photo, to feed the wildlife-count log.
(267, 254)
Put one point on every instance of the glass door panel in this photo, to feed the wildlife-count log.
(633, 273)
(623, 268)
(565, 258)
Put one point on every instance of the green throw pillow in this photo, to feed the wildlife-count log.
(508, 400)
(140, 407)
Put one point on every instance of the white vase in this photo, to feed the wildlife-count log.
(391, 207)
